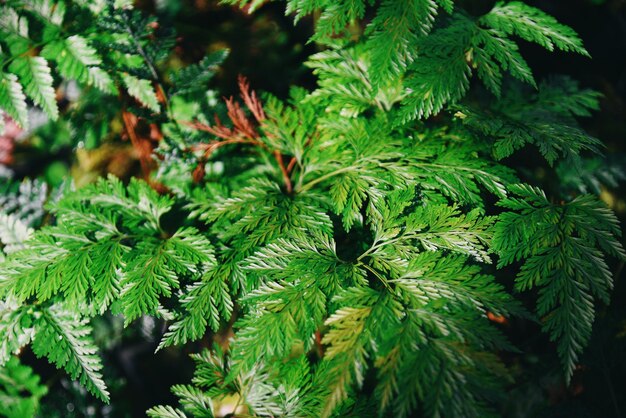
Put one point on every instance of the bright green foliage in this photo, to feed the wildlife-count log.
(435, 68)
(58, 334)
(533, 25)
(108, 247)
(118, 251)
(20, 390)
(142, 91)
(12, 98)
(65, 340)
(33, 34)
(393, 33)
(345, 238)
(563, 249)
(37, 81)
(44, 45)
(441, 73)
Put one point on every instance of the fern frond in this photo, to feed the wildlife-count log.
(533, 25)
(204, 303)
(344, 81)
(143, 91)
(16, 328)
(563, 248)
(545, 119)
(165, 412)
(393, 34)
(334, 17)
(73, 349)
(194, 78)
(591, 175)
(12, 98)
(34, 74)
(93, 256)
(452, 169)
(441, 73)
(74, 56)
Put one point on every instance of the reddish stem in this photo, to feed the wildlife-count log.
(283, 170)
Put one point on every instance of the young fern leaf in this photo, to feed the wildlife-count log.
(441, 73)
(203, 303)
(12, 98)
(34, 74)
(143, 91)
(15, 328)
(392, 35)
(73, 56)
(533, 25)
(165, 412)
(563, 249)
(108, 246)
(63, 337)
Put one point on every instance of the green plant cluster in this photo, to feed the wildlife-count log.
(350, 237)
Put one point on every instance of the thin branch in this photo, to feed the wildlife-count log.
(142, 146)
(291, 165)
(283, 170)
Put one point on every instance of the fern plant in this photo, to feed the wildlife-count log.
(345, 240)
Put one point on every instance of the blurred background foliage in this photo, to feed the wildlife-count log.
(269, 50)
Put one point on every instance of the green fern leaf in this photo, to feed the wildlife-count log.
(545, 118)
(533, 25)
(336, 16)
(64, 339)
(143, 91)
(155, 269)
(194, 401)
(12, 23)
(16, 328)
(493, 52)
(562, 248)
(51, 11)
(393, 34)
(165, 412)
(440, 74)
(102, 80)
(12, 99)
(195, 78)
(34, 74)
(74, 56)
(204, 303)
